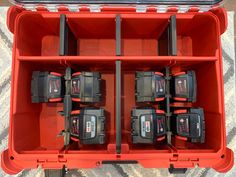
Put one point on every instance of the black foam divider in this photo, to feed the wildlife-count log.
(167, 43)
(68, 42)
(118, 107)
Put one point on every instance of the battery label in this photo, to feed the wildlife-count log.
(160, 86)
(90, 126)
(183, 125)
(181, 86)
(161, 125)
(54, 86)
(75, 86)
(75, 125)
(146, 126)
(189, 125)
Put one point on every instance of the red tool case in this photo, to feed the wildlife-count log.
(116, 38)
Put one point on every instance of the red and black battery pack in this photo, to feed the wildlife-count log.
(86, 87)
(149, 87)
(88, 126)
(148, 125)
(46, 87)
(189, 125)
(184, 86)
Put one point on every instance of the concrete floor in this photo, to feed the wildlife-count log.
(230, 5)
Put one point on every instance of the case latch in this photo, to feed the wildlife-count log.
(73, 8)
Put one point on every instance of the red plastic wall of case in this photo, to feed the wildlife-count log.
(33, 128)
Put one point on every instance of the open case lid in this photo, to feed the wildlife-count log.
(141, 5)
(144, 2)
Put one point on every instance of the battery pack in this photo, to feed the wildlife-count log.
(150, 86)
(46, 87)
(147, 125)
(190, 124)
(86, 87)
(88, 125)
(184, 86)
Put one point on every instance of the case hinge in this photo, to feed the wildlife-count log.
(141, 8)
(204, 8)
(31, 7)
(182, 8)
(162, 8)
(95, 8)
(73, 8)
(52, 7)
